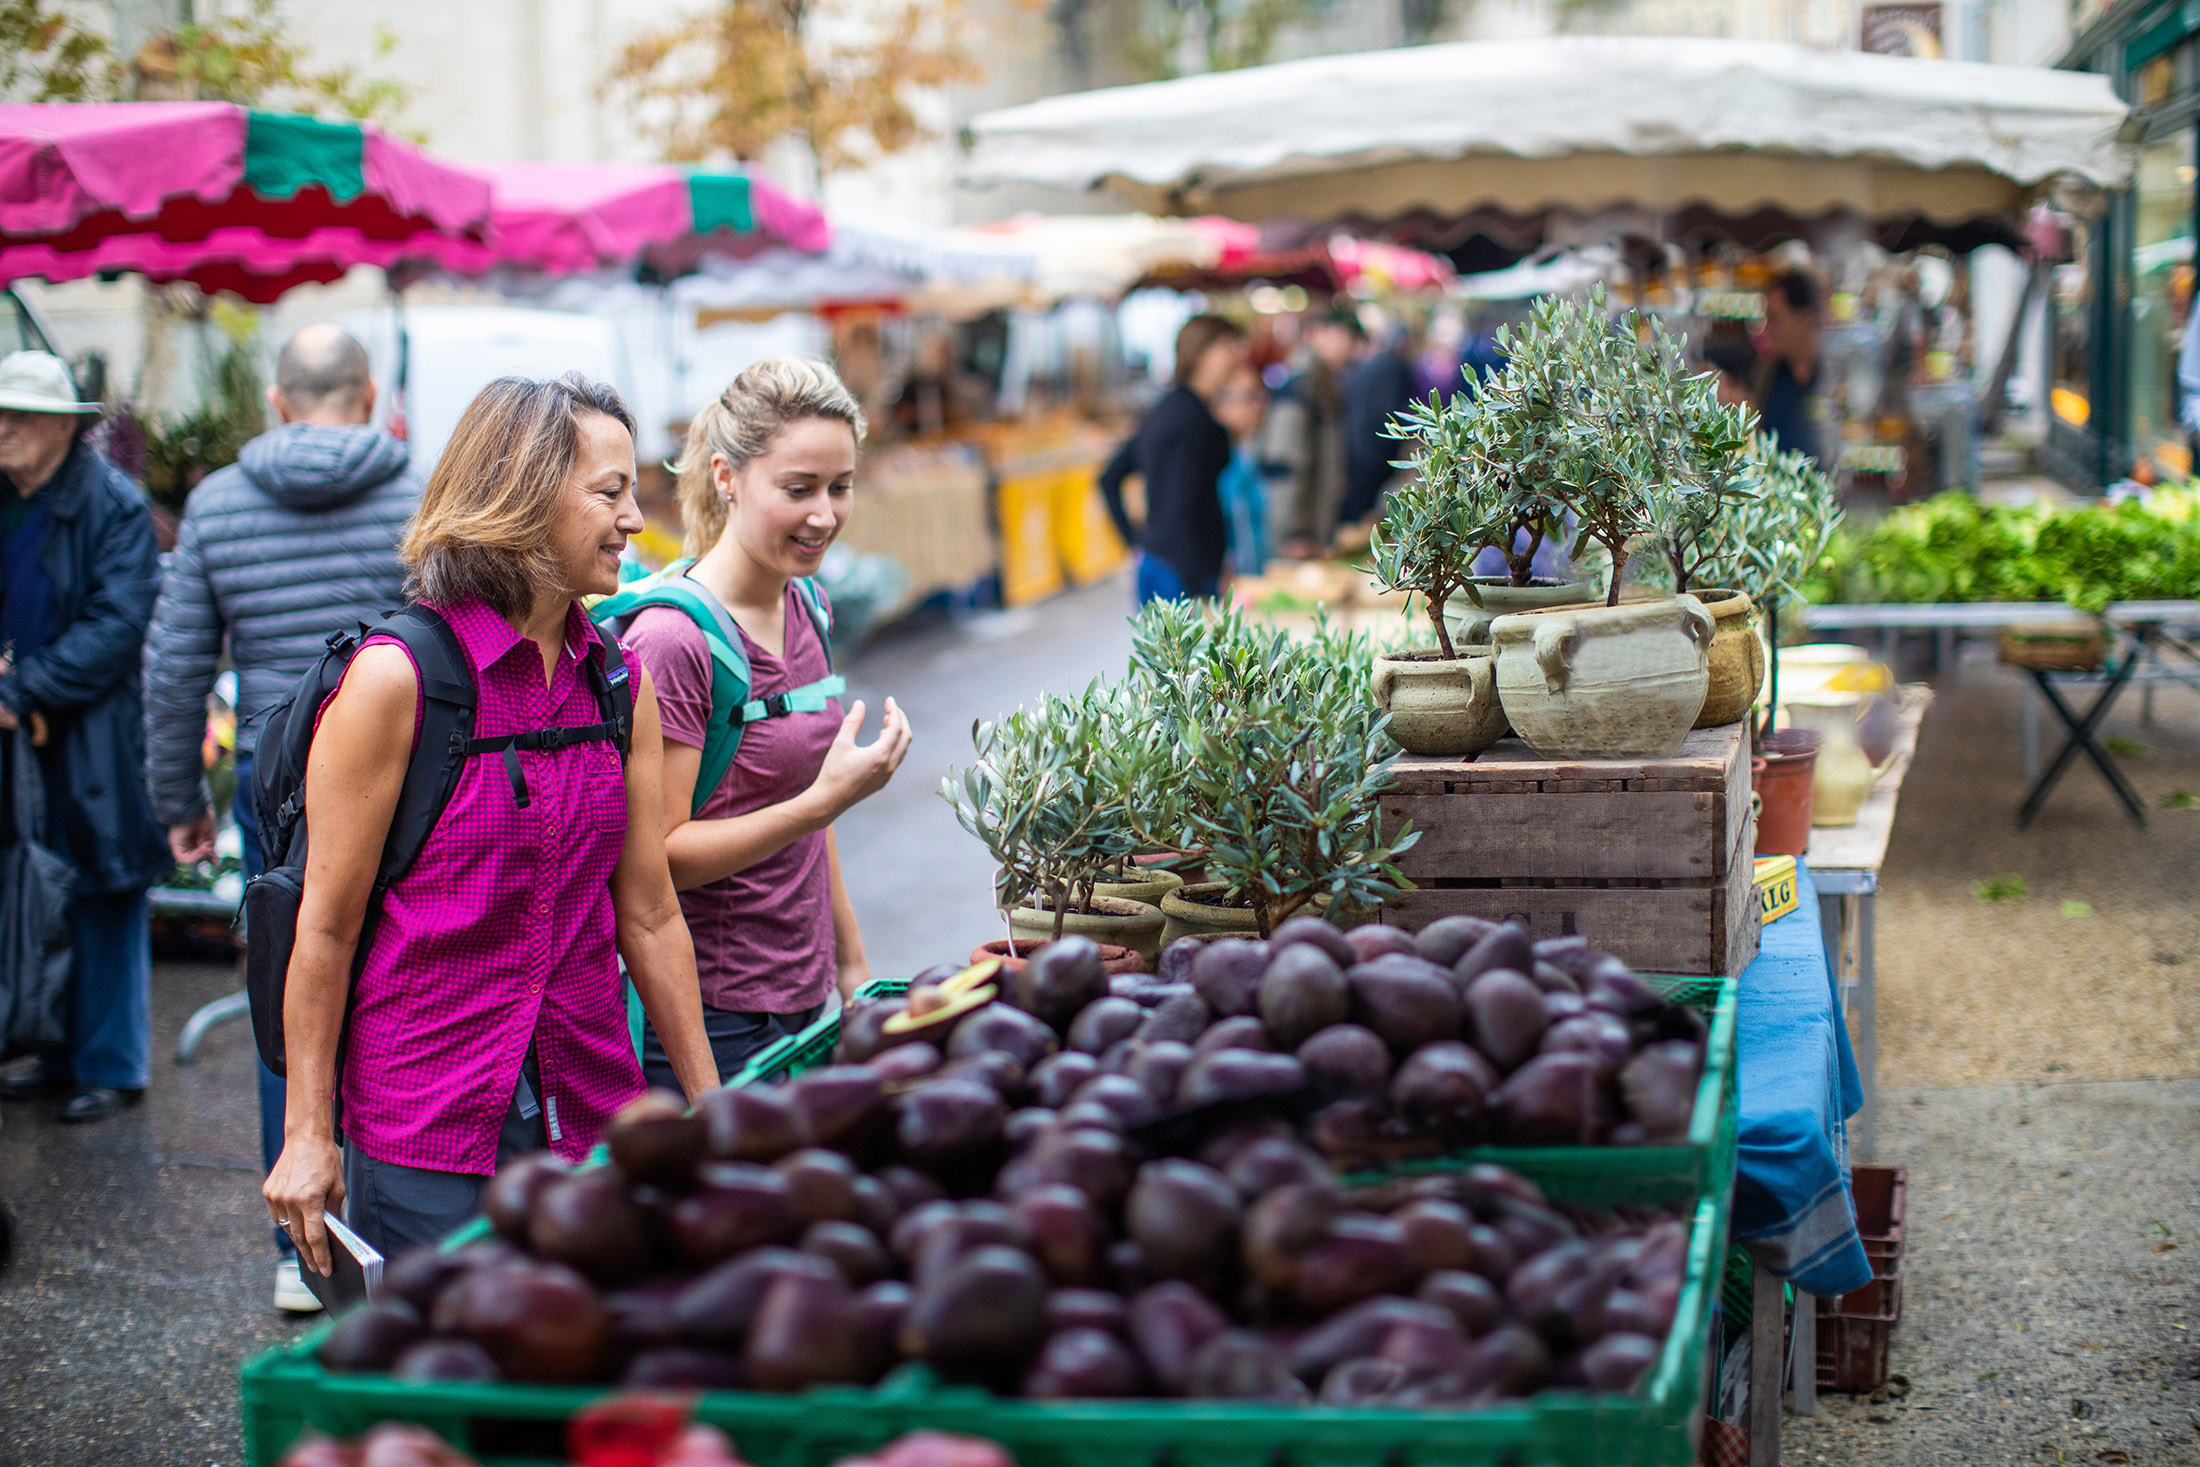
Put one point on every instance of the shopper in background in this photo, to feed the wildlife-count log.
(487, 1018)
(1181, 451)
(1786, 386)
(767, 481)
(1305, 438)
(1240, 407)
(295, 540)
(78, 574)
(1379, 388)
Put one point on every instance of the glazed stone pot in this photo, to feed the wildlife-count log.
(1440, 705)
(1737, 658)
(1149, 886)
(1134, 925)
(1605, 682)
(1190, 916)
(1471, 623)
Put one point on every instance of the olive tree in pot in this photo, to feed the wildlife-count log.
(1442, 701)
(1283, 756)
(1048, 797)
(1610, 681)
(1695, 526)
(1778, 536)
(1481, 449)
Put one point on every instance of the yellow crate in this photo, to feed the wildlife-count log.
(1086, 540)
(1031, 566)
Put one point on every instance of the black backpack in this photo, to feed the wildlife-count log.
(446, 742)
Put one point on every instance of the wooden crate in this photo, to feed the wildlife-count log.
(1647, 858)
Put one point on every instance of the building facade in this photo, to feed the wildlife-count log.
(2121, 277)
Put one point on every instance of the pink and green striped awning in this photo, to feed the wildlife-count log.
(228, 197)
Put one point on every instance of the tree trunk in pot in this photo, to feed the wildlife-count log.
(1135, 925)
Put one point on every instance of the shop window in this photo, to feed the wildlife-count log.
(2161, 301)
(2070, 244)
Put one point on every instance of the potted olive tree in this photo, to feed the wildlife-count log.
(1696, 517)
(1442, 701)
(1482, 450)
(1266, 757)
(1048, 796)
(1617, 680)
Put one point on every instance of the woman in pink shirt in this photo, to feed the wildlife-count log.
(767, 480)
(487, 1016)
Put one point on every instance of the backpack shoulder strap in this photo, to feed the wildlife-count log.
(447, 700)
(812, 597)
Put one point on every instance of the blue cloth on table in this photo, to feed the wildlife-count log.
(1799, 1084)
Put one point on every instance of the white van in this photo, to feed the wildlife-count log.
(450, 353)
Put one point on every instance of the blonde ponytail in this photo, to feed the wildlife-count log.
(740, 425)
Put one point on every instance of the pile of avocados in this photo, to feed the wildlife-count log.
(1057, 1184)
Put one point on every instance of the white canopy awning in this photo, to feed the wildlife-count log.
(1582, 125)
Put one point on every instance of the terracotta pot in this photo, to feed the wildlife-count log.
(1500, 597)
(1737, 657)
(1440, 705)
(1134, 925)
(1114, 959)
(1605, 682)
(1782, 780)
(1188, 916)
(1151, 885)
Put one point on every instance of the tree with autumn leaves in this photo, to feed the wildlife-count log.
(840, 75)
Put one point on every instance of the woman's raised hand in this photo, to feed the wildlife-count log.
(853, 772)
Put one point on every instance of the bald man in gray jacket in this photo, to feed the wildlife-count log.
(295, 540)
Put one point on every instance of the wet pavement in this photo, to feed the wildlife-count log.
(144, 1267)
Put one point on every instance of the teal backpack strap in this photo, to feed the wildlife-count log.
(811, 697)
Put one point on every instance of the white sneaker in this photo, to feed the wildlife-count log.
(291, 1293)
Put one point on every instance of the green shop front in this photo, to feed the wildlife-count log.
(2121, 283)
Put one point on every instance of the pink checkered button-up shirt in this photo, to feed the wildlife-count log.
(501, 932)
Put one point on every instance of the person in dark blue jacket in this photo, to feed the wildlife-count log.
(1181, 451)
(78, 574)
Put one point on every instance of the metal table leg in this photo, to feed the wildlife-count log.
(1866, 1040)
(1803, 1363)
(2031, 737)
(235, 1006)
(2081, 741)
(1767, 1322)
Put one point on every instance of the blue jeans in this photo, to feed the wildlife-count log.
(1158, 581)
(111, 990)
(271, 1084)
(735, 1039)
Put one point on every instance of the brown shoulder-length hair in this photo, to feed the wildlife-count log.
(1195, 336)
(483, 527)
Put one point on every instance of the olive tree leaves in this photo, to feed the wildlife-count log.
(1265, 753)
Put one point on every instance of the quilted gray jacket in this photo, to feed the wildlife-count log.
(296, 539)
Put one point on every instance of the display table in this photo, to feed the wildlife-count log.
(1844, 862)
(1798, 1086)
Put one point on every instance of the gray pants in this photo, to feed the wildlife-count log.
(735, 1039)
(397, 1207)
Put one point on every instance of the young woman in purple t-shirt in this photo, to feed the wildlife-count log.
(767, 480)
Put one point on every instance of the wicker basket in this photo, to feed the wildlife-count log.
(2054, 648)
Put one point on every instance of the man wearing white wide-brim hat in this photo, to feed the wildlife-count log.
(78, 574)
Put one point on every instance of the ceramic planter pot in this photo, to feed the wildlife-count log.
(1191, 866)
(1500, 597)
(1189, 912)
(1737, 658)
(1114, 959)
(1149, 886)
(1605, 682)
(1134, 925)
(1440, 705)
(1782, 780)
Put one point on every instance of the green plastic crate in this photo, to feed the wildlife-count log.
(285, 1393)
(1705, 1159)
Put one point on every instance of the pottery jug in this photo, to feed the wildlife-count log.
(1440, 705)
(1844, 775)
(1605, 682)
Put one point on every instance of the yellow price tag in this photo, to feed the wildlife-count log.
(1776, 889)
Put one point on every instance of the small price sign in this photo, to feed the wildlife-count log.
(1775, 878)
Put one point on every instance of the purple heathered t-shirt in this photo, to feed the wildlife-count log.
(763, 936)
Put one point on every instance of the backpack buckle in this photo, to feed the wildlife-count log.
(775, 706)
